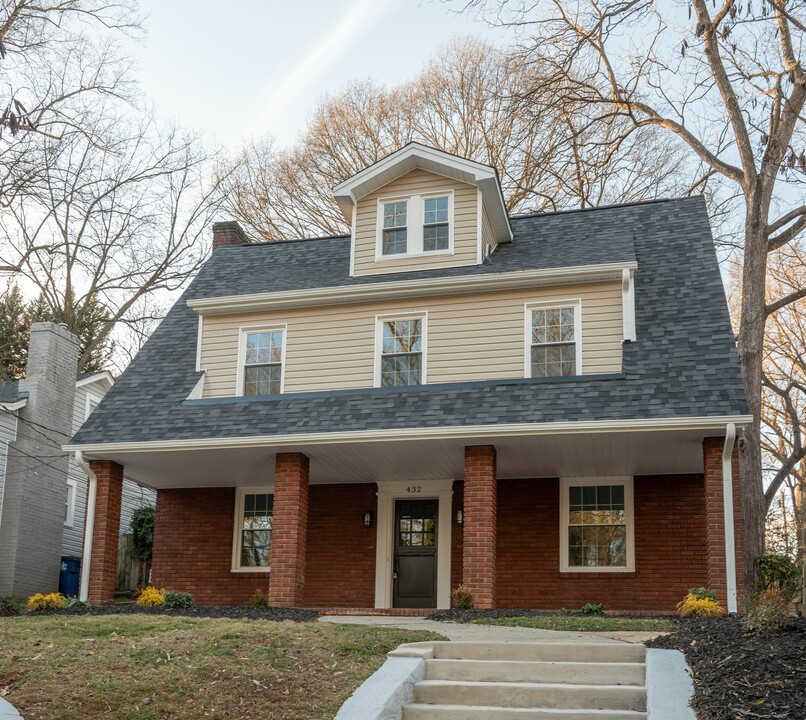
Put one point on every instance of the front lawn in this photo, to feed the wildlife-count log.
(144, 667)
(582, 623)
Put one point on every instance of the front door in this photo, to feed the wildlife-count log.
(415, 567)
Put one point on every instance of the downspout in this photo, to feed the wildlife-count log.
(89, 525)
(727, 504)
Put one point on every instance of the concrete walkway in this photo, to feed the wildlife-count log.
(493, 633)
(8, 711)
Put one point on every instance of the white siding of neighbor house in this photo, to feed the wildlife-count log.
(134, 496)
(8, 433)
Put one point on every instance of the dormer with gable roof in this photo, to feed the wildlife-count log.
(421, 208)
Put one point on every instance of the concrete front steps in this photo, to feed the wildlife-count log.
(531, 681)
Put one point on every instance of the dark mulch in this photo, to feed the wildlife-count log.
(468, 616)
(235, 612)
(740, 675)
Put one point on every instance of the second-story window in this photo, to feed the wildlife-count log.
(553, 340)
(402, 352)
(436, 225)
(263, 362)
(395, 232)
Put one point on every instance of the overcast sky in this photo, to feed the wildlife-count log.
(251, 67)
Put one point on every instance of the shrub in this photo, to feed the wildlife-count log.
(10, 606)
(51, 601)
(462, 598)
(780, 573)
(692, 606)
(592, 609)
(260, 599)
(151, 597)
(177, 600)
(767, 612)
(702, 593)
(75, 602)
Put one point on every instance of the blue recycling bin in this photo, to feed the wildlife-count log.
(70, 576)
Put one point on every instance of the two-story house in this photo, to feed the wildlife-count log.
(543, 408)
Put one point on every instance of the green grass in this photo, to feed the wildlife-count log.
(577, 623)
(120, 667)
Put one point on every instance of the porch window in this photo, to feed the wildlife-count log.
(553, 347)
(596, 524)
(253, 526)
(262, 356)
(401, 352)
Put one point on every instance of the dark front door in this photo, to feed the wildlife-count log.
(415, 568)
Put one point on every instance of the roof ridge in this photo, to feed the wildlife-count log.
(292, 240)
(614, 206)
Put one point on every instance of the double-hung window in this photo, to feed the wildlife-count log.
(416, 225)
(596, 524)
(401, 351)
(70, 504)
(254, 509)
(553, 342)
(262, 358)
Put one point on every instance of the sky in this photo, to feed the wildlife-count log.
(260, 66)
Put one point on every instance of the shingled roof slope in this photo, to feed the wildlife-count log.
(684, 363)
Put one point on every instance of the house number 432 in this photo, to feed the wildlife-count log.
(414, 488)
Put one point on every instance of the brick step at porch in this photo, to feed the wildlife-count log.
(525, 681)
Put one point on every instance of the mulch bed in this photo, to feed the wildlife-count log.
(234, 612)
(468, 616)
(740, 675)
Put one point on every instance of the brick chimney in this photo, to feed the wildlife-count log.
(228, 233)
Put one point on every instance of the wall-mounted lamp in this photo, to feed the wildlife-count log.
(460, 517)
(367, 518)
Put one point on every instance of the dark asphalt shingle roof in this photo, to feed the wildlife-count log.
(684, 363)
(10, 391)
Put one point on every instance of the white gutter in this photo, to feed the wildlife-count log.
(727, 504)
(406, 288)
(458, 432)
(89, 525)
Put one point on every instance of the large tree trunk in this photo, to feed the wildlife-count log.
(751, 342)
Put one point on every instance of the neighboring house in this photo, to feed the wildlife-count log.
(543, 408)
(42, 491)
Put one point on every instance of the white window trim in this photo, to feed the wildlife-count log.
(72, 490)
(576, 303)
(628, 304)
(236, 527)
(415, 215)
(379, 320)
(629, 508)
(90, 398)
(243, 331)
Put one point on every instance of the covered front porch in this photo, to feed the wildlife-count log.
(398, 522)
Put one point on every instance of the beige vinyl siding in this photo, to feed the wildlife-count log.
(470, 337)
(465, 225)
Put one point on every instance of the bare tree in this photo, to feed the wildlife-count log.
(729, 86)
(466, 101)
(113, 220)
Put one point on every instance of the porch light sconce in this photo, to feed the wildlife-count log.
(367, 518)
(460, 517)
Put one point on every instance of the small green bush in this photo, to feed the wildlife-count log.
(462, 598)
(142, 529)
(75, 602)
(177, 600)
(10, 606)
(701, 593)
(767, 612)
(259, 599)
(779, 573)
(592, 609)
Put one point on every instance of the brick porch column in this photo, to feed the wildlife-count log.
(106, 530)
(480, 524)
(715, 518)
(289, 530)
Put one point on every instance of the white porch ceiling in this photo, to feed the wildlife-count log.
(576, 455)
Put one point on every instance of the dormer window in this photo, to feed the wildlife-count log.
(394, 227)
(416, 225)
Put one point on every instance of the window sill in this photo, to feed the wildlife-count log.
(251, 570)
(405, 256)
(599, 571)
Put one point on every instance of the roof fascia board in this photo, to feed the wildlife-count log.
(16, 405)
(716, 423)
(404, 288)
(97, 377)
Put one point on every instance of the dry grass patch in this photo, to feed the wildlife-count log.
(144, 668)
